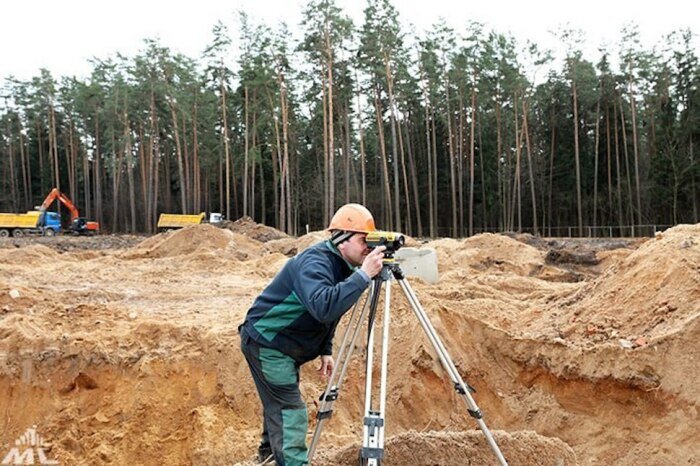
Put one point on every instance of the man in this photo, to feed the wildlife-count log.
(293, 321)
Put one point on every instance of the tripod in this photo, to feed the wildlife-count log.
(372, 451)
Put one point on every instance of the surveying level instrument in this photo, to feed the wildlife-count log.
(391, 240)
(372, 452)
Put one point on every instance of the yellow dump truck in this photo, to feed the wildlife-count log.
(173, 221)
(33, 222)
(170, 221)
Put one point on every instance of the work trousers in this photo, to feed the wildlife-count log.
(285, 419)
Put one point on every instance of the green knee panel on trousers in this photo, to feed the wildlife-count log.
(294, 425)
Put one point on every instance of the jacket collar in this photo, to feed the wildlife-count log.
(335, 251)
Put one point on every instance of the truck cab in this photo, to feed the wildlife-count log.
(51, 224)
(216, 218)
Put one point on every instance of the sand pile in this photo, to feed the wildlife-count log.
(650, 293)
(130, 356)
(465, 448)
(292, 246)
(257, 231)
(196, 240)
(34, 254)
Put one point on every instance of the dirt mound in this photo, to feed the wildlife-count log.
(292, 246)
(30, 255)
(464, 448)
(487, 253)
(193, 239)
(257, 231)
(132, 357)
(651, 292)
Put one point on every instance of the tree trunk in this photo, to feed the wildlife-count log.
(276, 161)
(326, 174)
(435, 172)
(407, 199)
(636, 152)
(98, 172)
(286, 208)
(254, 145)
(71, 159)
(186, 159)
(451, 155)
(130, 179)
(382, 147)
(26, 170)
(526, 130)
(346, 152)
(431, 187)
(551, 166)
(144, 175)
(197, 172)
(246, 106)
(116, 181)
(502, 182)
(692, 182)
(461, 144)
(516, 201)
(40, 147)
(363, 162)
(178, 155)
(627, 168)
(620, 213)
(53, 146)
(579, 207)
(331, 133)
(471, 162)
(611, 207)
(394, 156)
(226, 144)
(414, 178)
(595, 169)
(11, 177)
(484, 219)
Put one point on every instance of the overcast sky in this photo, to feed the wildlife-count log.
(62, 35)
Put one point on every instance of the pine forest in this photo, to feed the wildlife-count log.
(451, 133)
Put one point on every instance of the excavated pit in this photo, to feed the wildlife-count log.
(124, 350)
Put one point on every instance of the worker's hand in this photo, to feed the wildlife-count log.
(326, 368)
(372, 264)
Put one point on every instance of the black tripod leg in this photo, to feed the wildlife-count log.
(460, 386)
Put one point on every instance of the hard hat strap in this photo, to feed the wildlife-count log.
(339, 236)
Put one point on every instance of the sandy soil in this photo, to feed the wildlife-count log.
(124, 350)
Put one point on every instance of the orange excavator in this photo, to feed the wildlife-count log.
(78, 225)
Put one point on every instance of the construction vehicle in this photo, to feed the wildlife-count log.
(174, 221)
(78, 225)
(33, 222)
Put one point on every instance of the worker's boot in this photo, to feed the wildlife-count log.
(264, 453)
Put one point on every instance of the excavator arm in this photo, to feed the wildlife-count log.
(55, 194)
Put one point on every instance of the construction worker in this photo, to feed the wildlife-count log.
(293, 321)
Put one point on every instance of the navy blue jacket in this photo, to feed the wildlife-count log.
(298, 311)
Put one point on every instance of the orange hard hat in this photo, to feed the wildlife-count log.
(353, 217)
